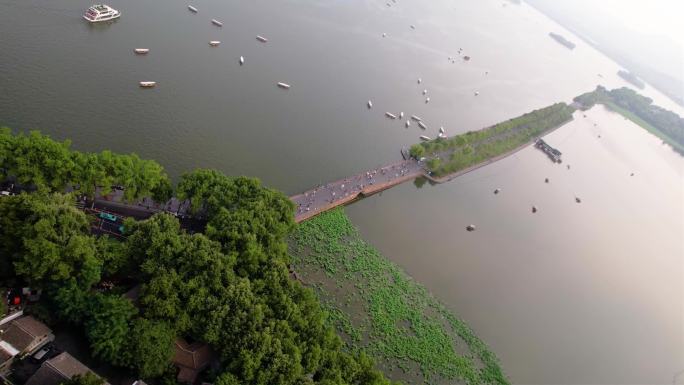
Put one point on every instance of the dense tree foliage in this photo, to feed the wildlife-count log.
(229, 287)
(85, 379)
(107, 326)
(44, 238)
(36, 160)
(666, 122)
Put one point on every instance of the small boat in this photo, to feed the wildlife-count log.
(416, 118)
(370, 104)
(578, 200)
(214, 43)
(408, 123)
(148, 84)
(284, 85)
(466, 58)
(262, 39)
(424, 92)
(242, 60)
(497, 191)
(568, 167)
(413, 26)
(390, 115)
(420, 80)
(423, 137)
(216, 23)
(441, 130)
(440, 135)
(101, 12)
(477, 93)
(384, 35)
(534, 209)
(427, 100)
(192, 9)
(141, 51)
(632, 174)
(546, 180)
(401, 115)
(470, 227)
(422, 125)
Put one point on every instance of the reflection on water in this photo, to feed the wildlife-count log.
(574, 294)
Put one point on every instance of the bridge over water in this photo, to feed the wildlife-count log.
(325, 197)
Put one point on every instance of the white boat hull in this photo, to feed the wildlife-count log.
(108, 18)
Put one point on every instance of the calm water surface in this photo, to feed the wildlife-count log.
(588, 293)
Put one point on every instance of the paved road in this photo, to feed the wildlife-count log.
(329, 195)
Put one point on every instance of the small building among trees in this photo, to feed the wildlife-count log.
(22, 337)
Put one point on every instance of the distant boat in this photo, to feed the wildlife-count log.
(534, 209)
(497, 191)
(423, 137)
(142, 51)
(466, 57)
(470, 227)
(420, 80)
(578, 200)
(427, 100)
(384, 35)
(424, 92)
(284, 85)
(477, 93)
(413, 26)
(242, 60)
(370, 104)
(422, 125)
(401, 115)
(416, 118)
(192, 9)
(441, 130)
(408, 123)
(148, 84)
(214, 43)
(390, 115)
(216, 23)
(262, 39)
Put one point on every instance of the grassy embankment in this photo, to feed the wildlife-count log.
(382, 311)
(664, 124)
(644, 124)
(449, 155)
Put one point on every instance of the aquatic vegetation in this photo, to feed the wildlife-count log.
(383, 311)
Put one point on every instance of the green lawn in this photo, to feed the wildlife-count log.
(634, 118)
(378, 308)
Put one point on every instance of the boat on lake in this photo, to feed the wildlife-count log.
(262, 39)
(422, 125)
(284, 85)
(390, 115)
(408, 123)
(192, 9)
(214, 43)
(424, 137)
(216, 23)
(370, 104)
(416, 118)
(147, 84)
(101, 12)
(142, 51)
(242, 60)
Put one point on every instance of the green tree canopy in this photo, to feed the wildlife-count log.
(151, 347)
(47, 240)
(107, 326)
(89, 378)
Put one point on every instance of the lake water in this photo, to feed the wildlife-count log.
(577, 293)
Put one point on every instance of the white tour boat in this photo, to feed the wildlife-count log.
(216, 23)
(192, 9)
(284, 85)
(148, 84)
(142, 51)
(262, 39)
(214, 43)
(101, 12)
